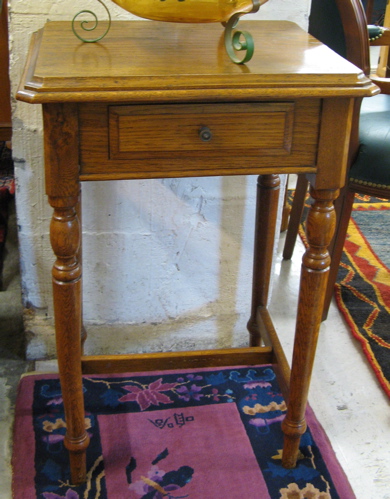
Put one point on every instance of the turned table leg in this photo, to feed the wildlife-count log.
(65, 238)
(63, 190)
(268, 187)
(314, 276)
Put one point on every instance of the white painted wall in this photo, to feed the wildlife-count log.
(172, 252)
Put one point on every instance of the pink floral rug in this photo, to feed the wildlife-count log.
(200, 434)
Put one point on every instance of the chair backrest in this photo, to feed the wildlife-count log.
(342, 25)
(325, 24)
(383, 69)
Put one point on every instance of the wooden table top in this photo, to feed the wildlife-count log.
(153, 61)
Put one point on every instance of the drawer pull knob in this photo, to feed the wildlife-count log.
(205, 134)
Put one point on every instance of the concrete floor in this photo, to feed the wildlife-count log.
(12, 364)
(344, 394)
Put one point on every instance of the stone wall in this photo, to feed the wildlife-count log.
(169, 253)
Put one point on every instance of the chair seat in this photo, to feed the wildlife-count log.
(372, 165)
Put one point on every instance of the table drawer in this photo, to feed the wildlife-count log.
(142, 141)
(218, 129)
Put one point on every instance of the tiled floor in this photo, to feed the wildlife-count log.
(344, 392)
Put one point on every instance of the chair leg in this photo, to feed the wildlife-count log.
(286, 209)
(295, 216)
(343, 207)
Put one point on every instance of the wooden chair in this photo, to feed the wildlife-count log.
(341, 24)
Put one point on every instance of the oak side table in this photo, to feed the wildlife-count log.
(155, 100)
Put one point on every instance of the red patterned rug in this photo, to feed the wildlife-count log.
(363, 283)
(200, 434)
(362, 289)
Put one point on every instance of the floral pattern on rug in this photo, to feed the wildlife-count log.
(159, 484)
(254, 391)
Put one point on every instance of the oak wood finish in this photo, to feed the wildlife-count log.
(134, 134)
(315, 269)
(270, 338)
(98, 364)
(244, 136)
(63, 190)
(143, 63)
(289, 110)
(268, 187)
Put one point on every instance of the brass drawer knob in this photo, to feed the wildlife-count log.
(205, 134)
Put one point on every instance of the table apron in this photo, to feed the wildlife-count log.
(184, 140)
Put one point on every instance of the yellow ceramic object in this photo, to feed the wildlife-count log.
(188, 11)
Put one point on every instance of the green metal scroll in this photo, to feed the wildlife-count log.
(236, 41)
(87, 26)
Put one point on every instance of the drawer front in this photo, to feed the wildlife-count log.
(158, 131)
(180, 140)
